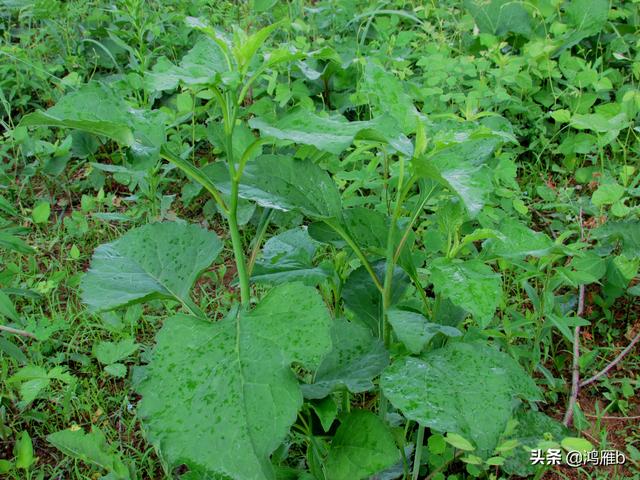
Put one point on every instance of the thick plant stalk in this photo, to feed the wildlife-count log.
(236, 241)
(613, 363)
(417, 457)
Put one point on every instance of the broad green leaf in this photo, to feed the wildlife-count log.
(607, 194)
(327, 410)
(200, 66)
(13, 243)
(468, 389)
(23, 450)
(245, 50)
(283, 183)
(362, 446)
(112, 352)
(332, 134)
(288, 257)
(91, 448)
(586, 18)
(576, 443)
(585, 269)
(6, 308)
(533, 428)
(597, 122)
(370, 228)
(356, 359)
(415, 331)
(161, 260)
(469, 284)
(117, 370)
(386, 95)
(459, 442)
(625, 232)
(41, 212)
(517, 241)
(361, 296)
(499, 17)
(461, 168)
(227, 387)
(108, 115)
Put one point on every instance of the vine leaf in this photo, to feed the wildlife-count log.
(160, 260)
(212, 390)
(468, 389)
(362, 446)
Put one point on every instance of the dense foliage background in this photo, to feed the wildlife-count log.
(438, 242)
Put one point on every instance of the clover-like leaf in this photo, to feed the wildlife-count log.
(161, 260)
(468, 389)
(212, 390)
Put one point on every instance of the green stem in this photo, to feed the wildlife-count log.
(236, 242)
(418, 453)
(257, 240)
(354, 246)
(390, 263)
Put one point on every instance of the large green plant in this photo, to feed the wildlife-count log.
(222, 397)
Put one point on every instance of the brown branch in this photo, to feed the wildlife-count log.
(24, 333)
(613, 363)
